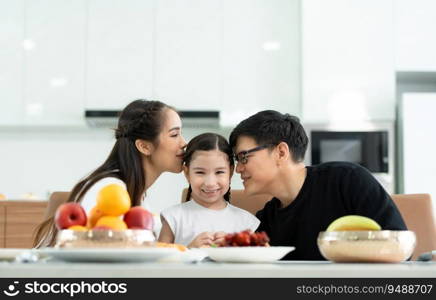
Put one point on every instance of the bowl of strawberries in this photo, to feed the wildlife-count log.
(247, 247)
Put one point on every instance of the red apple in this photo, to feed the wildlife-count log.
(139, 218)
(70, 214)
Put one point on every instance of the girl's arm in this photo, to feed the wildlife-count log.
(166, 235)
(204, 239)
(219, 238)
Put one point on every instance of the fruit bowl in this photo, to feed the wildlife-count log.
(384, 246)
(104, 238)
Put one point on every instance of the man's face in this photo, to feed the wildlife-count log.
(260, 169)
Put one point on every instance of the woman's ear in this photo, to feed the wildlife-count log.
(282, 152)
(145, 147)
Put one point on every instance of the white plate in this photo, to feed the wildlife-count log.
(188, 256)
(110, 254)
(10, 253)
(248, 254)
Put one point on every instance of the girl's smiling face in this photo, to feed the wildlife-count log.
(209, 175)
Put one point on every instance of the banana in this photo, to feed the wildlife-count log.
(353, 223)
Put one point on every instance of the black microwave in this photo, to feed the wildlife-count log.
(366, 148)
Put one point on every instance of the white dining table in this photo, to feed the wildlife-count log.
(281, 269)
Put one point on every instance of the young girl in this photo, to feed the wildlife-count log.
(206, 218)
(148, 143)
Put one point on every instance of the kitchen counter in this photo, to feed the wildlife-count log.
(18, 220)
(295, 269)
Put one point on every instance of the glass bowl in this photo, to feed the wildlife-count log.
(385, 246)
(104, 238)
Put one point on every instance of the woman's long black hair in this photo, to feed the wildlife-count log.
(207, 142)
(141, 119)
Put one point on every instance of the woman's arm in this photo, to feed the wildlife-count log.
(166, 235)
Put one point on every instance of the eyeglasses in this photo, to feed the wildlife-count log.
(242, 157)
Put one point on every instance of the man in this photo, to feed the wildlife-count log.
(270, 148)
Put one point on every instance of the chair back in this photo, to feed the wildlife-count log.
(417, 212)
(237, 198)
(55, 200)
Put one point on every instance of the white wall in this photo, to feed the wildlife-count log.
(43, 160)
(348, 69)
(415, 44)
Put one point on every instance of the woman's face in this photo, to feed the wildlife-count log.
(209, 176)
(168, 155)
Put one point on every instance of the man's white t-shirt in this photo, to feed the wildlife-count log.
(189, 219)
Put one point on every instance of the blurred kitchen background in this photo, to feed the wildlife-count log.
(361, 75)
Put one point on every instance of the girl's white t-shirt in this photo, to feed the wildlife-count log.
(189, 219)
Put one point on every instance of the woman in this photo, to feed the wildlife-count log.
(148, 143)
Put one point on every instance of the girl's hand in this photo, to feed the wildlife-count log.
(219, 238)
(203, 239)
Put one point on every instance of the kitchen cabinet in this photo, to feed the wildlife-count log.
(188, 65)
(261, 58)
(11, 61)
(18, 221)
(2, 226)
(348, 71)
(418, 143)
(54, 64)
(119, 52)
(62, 57)
(414, 35)
(237, 57)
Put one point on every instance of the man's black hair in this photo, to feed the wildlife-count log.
(272, 127)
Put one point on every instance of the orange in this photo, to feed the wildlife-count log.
(171, 245)
(2, 197)
(113, 200)
(112, 222)
(78, 228)
(94, 215)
